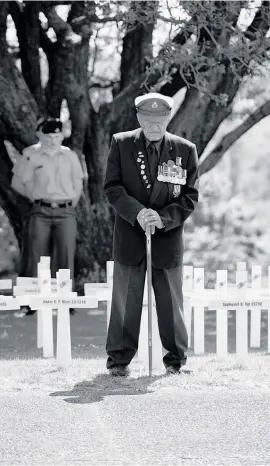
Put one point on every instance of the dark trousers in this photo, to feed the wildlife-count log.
(126, 310)
(47, 226)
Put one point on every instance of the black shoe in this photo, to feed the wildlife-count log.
(173, 370)
(119, 371)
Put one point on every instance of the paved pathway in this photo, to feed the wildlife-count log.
(88, 425)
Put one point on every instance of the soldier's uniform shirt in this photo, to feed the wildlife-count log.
(53, 177)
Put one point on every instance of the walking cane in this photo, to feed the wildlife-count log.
(149, 294)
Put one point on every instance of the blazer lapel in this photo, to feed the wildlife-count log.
(140, 156)
(164, 157)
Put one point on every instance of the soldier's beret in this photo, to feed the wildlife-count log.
(154, 104)
(50, 125)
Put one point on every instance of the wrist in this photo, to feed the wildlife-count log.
(162, 225)
(141, 212)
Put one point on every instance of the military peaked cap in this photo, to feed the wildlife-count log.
(154, 104)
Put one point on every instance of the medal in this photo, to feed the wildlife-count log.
(160, 174)
(173, 173)
(140, 159)
(176, 190)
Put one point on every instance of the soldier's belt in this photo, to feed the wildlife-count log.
(53, 204)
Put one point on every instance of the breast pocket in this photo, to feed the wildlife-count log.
(41, 177)
(39, 171)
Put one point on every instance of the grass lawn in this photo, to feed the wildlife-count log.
(22, 365)
(207, 372)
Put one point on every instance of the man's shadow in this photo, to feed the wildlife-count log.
(103, 385)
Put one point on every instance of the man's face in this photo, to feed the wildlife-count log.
(154, 127)
(51, 141)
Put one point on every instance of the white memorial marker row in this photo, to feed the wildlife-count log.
(196, 296)
(46, 294)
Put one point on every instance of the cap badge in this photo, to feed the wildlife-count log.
(154, 105)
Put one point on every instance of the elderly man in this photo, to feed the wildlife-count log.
(150, 179)
(51, 177)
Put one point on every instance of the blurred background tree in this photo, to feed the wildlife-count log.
(87, 61)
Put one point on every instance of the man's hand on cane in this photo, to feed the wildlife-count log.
(150, 217)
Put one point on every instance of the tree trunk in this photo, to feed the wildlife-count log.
(18, 111)
(18, 108)
(27, 24)
(14, 205)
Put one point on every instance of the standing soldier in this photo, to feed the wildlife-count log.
(150, 179)
(51, 177)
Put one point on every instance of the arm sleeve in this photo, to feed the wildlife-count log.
(77, 174)
(126, 206)
(23, 172)
(175, 214)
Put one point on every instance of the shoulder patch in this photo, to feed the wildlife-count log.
(65, 148)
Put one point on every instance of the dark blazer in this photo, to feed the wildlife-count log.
(127, 193)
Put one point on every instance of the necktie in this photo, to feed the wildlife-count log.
(153, 161)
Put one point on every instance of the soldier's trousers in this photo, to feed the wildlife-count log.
(126, 309)
(47, 226)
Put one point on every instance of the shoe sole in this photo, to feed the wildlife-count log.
(181, 371)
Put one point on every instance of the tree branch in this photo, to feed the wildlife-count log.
(46, 44)
(99, 85)
(229, 139)
(78, 19)
(93, 18)
(165, 80)
(63, 30)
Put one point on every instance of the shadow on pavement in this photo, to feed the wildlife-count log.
(104, 385)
